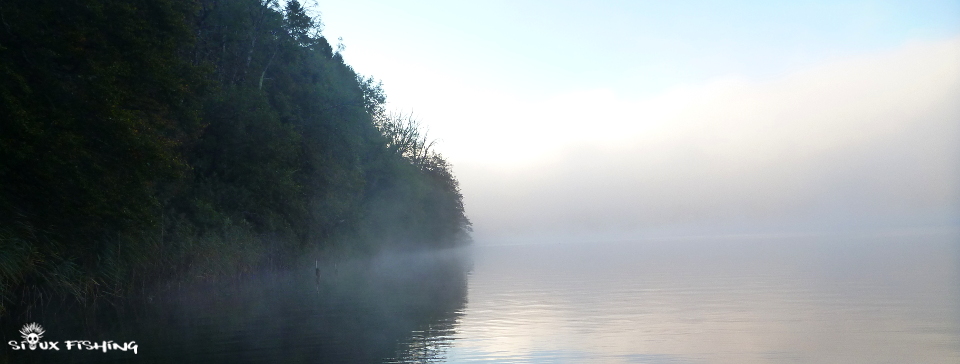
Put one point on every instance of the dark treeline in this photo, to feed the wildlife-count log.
(144, 142)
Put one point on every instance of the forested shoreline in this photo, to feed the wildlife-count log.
(144, 142)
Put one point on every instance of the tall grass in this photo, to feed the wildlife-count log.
(37, 272)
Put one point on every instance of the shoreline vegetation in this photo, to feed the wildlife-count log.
(150, 143)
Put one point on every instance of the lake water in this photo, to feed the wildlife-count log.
(733, 300)
(851, 299)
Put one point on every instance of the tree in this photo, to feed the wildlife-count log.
(304, 29)
(152, 140)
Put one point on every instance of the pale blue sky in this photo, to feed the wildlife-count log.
(598, 118)
(629, 46)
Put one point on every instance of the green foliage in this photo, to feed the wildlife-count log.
(246, 161)
(146, 142)
(304, 29)
(93, 115)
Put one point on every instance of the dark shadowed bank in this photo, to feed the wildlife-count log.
(393, 307)
(146, 145)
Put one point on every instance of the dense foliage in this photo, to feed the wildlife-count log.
(150, 141)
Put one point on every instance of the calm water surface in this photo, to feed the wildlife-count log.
(892, 299)
(798, 300)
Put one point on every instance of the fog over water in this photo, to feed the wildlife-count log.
(615, 120)
(648, 182)
(720, 183)
(853, 298)
(870, 142)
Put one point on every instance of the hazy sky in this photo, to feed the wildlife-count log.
(599, 120)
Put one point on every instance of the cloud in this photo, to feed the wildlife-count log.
(868, 141)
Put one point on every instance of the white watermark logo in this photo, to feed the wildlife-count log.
(32, 333)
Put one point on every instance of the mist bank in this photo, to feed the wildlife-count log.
(867, 143)
(147, 143)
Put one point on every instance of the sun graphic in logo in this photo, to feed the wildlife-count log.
(32, 333)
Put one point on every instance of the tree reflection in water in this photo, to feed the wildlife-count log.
(395, 308)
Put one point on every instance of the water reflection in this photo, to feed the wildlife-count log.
(395, 308)
(893, 299)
